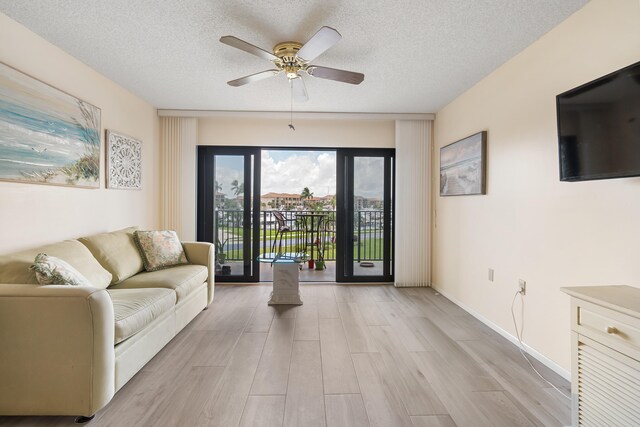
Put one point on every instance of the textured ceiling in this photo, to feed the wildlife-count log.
(417, 55)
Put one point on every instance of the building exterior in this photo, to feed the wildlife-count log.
(273, 201)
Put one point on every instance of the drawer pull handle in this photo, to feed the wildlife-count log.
(612, 330)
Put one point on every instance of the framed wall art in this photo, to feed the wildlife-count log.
(124, 162)
(463, 166)
(46, 135)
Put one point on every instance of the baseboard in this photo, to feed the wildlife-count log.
(530, 350)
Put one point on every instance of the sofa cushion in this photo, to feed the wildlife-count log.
(183, 279)
(159, 249)
(54, 271)
(116, 252)
(14, 268)
(134, 309)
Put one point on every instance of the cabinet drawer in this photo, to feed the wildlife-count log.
(606, 323)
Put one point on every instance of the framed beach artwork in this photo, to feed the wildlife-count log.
(46, 136)
(463, 166)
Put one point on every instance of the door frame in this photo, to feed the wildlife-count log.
(345, 213)
(344, 174)
(251, 205)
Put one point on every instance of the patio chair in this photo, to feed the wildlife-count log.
(282, 230)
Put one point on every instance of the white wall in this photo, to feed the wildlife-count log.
(274, 133)
(530, 225)
(32, 214)
(308, 133)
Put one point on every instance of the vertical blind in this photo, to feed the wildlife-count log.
(177, 139)
(412, 253)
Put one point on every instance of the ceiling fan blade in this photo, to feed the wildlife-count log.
(253, 78)
(321, 41)
(335, 74)
(248, 47)
(299, 90)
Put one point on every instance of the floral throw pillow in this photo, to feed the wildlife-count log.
(54, 271)
(159, 249)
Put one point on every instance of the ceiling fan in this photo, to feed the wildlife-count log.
(292, 58)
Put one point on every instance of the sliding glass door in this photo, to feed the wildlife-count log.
(229, 209)
(360, 239)
(365, 215)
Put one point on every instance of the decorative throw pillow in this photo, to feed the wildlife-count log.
(159, 249)
(54, 271)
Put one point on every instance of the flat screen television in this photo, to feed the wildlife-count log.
(599, 127)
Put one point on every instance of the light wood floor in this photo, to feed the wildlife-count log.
(350, 356)
(312, 275)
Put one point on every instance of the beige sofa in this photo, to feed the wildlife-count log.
(66, 350)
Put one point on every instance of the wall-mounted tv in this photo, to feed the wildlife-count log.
(599, 127)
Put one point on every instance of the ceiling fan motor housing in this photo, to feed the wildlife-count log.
(289, 63)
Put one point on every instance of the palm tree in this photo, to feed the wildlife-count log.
(237, 189)
(305, 195)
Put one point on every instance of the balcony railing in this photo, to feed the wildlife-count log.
(368, 235)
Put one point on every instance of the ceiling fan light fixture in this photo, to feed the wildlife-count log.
(291, 71)
(288, 61)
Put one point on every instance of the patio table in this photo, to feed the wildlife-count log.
(311, 223)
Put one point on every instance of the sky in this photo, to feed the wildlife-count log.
(289, 171)
(368, 179)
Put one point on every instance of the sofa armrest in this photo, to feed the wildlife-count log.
(56, 350)
(203, 253)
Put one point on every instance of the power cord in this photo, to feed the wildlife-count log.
(519, 335)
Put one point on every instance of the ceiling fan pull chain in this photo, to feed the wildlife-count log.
(291, 117)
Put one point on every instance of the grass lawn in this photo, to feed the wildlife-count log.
(370, 249)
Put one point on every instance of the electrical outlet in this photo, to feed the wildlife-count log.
(491, 274)
(523, 286)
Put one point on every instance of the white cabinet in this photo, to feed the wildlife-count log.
(605, 368)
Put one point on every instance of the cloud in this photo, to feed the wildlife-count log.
(229, 168)
(368, 177)
(291, 171)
